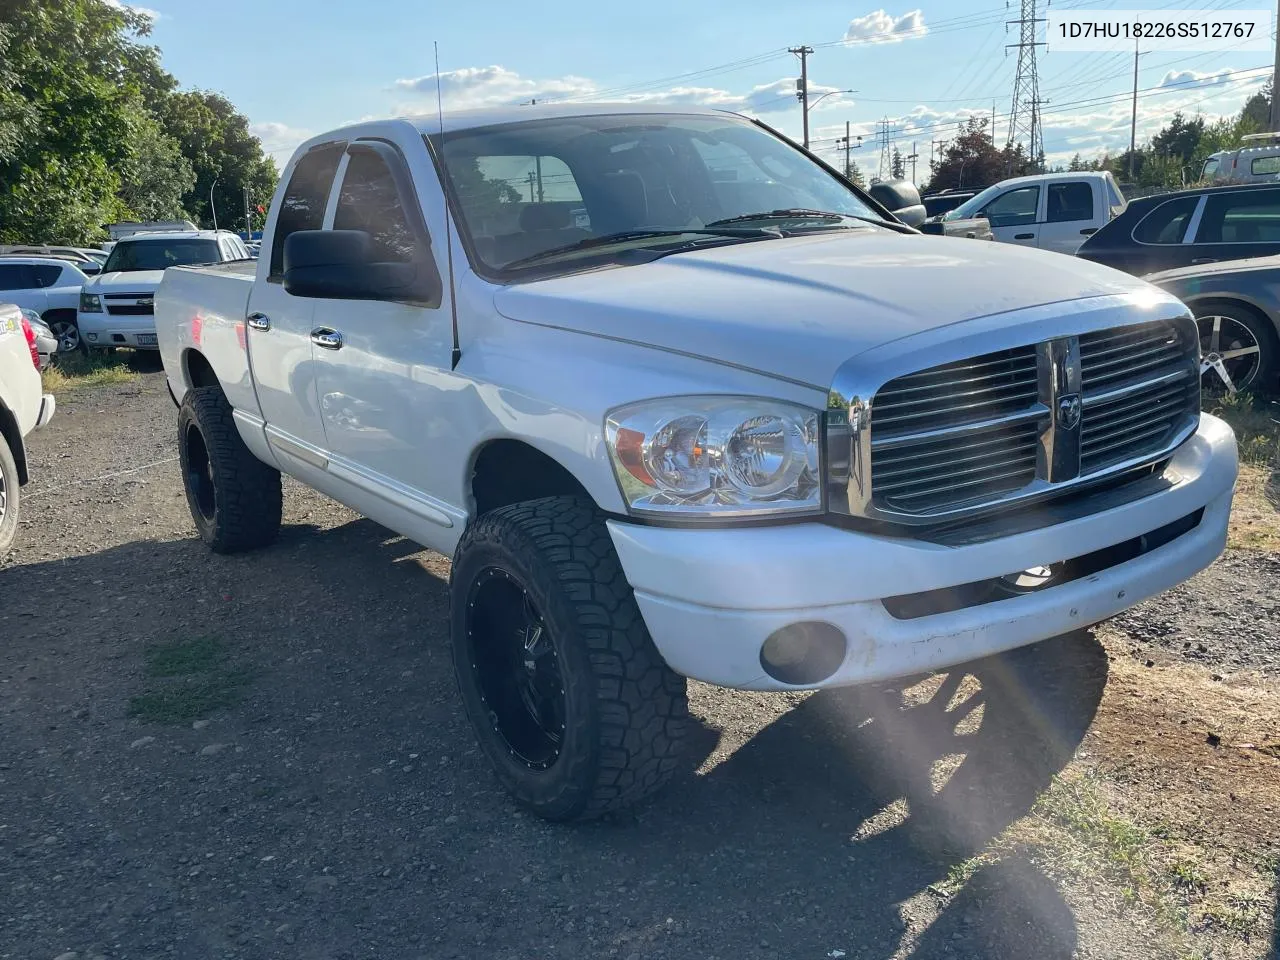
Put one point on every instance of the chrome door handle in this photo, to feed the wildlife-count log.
(324, 337)
(1024, 236)
(258, 321)
(1198, 260)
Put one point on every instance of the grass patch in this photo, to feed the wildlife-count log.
(189, 679)
(1255, 514)
(100, 369)
(1256, 423)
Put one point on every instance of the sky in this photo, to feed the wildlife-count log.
(297, 68)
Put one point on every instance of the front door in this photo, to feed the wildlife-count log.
(1013, 216)
(1072, 212)
(382, 364)
(279, 324)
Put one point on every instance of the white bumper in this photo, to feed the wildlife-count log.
(712, 597)
(109, 330)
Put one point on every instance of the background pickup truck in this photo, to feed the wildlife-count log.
(1052, 211)
(679, 401)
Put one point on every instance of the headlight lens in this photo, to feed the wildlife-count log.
(714, 457)
(90, 303)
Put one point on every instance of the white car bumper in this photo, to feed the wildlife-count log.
(108, 330)
(47, 407)
(711, 598)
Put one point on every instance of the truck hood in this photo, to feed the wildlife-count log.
(798, 307)
(130, 281)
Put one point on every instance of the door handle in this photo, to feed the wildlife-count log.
(327, 338)
(258, 321)
(1024, 236)
(1089, 230)
(1204, 260)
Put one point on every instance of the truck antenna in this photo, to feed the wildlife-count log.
(448, 232)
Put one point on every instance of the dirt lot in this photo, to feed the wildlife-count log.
(265, 756)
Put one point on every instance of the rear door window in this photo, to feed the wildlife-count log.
(303, 204)
(1241, 216)
(45, 274)
(1167, 223)
(15, 276)
(1069, 201)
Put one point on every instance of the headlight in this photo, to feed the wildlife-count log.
(709, 457)
(90, 303)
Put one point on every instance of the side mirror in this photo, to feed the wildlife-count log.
(902, 199)
(341, 265)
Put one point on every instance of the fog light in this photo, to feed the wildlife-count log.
(801, 653)
(91, 336)
(1025, 581)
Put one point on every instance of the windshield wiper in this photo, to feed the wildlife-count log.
(795, 213)
(624, 235)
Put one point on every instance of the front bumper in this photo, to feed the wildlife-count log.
(108, 330)
(711, 598)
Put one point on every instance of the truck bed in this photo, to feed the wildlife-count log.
(204, 308)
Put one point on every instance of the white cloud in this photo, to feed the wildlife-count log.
(881, 27)
(144, 11)
(493, 85)
(1187, 78)
(279, 139)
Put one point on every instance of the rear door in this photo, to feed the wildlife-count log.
(1073, 211)
(1236, 224)
(279, 324)
(1013, 215)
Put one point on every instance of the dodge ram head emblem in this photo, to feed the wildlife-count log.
(1069, 409)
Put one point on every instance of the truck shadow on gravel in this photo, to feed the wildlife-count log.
(342, 809)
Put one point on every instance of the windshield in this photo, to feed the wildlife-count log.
(974, 204)
(131, 255)
(547, 189)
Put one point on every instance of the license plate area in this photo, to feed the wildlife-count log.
(146, 339)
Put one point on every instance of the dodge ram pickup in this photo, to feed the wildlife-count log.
(679, 401)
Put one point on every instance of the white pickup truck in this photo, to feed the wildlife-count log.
(1052, 211)
(680, 402)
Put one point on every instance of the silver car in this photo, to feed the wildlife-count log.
(46, 339)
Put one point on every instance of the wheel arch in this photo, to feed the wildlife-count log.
(197, 371)
(1211, 298)
(504, 470)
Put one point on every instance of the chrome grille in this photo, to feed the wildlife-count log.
(937, 436)
(1024, 422)
(1137, 393)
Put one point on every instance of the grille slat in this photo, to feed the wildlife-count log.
(968, 434)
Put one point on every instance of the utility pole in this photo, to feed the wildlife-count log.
(802, 86)
(935, 150)
(538, 163)
(1133, 120)
(532, 180)
(886, 144)
(1024, 116)
(913, 156)
(1275, 75)
(846, 148)
(993, 118)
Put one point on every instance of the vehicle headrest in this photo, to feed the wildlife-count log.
(544, 216)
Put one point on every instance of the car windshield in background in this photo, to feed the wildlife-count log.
(971, 206)
(562, 191)
(160, 254)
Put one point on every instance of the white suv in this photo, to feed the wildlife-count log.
(116, 307)
(23, 407)
(48, 285)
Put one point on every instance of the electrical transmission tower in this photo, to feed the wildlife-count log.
(1024, 117)
(886, 149)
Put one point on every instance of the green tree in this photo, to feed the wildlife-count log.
(853, 173)
(225, 156)
(155, 176)
(897, 165)
(972, 160)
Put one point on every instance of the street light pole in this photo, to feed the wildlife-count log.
(212, 208)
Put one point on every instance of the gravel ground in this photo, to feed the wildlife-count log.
(341, 809)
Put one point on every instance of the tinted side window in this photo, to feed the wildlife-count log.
(1263, 166)
(304, 200)
(1167, 223)
(1014, 208)
(15, 276)
(1069, 201)
(45, 275)
(370, 202)
(1241, 217)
